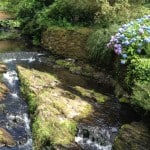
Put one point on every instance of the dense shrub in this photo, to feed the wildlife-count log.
(141, 95)
(120, 12)
(97, 49)
(74, 11)
(138, 71)
(36, 15)
(132, 46)
(132, 40)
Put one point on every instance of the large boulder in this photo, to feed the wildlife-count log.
(134, 136)
(57, 110)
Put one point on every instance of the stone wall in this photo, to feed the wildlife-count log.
(67, 43)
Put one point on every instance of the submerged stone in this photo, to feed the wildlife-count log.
(6, 139)
(134, 136)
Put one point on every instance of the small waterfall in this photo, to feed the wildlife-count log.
(95, 138)
(20, 56)
(15, 116)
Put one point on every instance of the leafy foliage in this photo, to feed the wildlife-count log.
(132, 44)
(120, 12)
(141, 95)
(138, 71)
(132, 39)
(98, 52)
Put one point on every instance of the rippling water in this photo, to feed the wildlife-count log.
(15, 116)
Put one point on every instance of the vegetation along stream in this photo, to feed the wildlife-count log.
(95, 132)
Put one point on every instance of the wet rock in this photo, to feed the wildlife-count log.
(3, 91)
(2, 68)
(6, 139)
(2, 107)
(92, 94)
(134, 136)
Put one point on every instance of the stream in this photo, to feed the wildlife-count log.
(15, 115)
(95, 133)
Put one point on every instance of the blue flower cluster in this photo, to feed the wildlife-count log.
(131, 38)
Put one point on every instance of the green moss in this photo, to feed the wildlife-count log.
(3, 89)
(124, 100)
(141, 95)
(65, 63)
(134, 136)
(100, 98)
(76, 69)
(55, 110)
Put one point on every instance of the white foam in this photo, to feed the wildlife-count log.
(9, 60)
(27, 121)
(31, 59)
(81, 141)
(27, 145)
(10, 77)
(14, 95)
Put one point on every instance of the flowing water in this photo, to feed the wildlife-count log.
(15, 115)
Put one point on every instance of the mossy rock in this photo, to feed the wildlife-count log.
(67, 43)
(3, 89)
(2, 68)
(65, 63)
(124, 99)
(6, 139)
(134, 136)
(141, 95)
(56, 111)
(99, 97)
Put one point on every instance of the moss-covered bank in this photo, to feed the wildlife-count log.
(54, 110)
(134, 136)
(67, 43)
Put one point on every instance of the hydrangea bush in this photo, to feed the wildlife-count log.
(132, 39)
